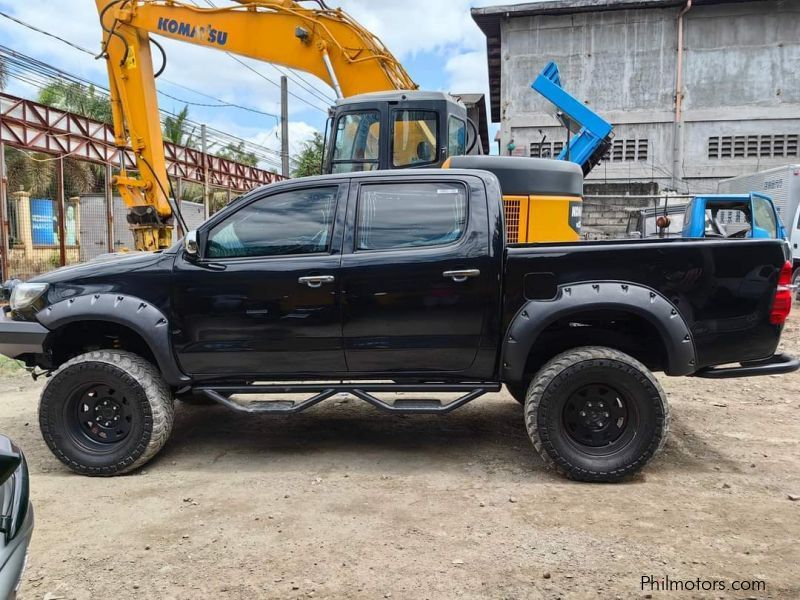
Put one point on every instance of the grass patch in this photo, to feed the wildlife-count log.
(9, 365)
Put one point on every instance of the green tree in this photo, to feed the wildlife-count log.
(79, 176)
(35, 173)
(175, 129)
(78, 99)
(309, 160)
(30, 172)
(237, 153)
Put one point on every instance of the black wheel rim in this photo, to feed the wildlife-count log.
(598, 417)
(99, 414)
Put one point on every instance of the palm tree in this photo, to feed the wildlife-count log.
(79, 176)
(78, 99)
(238, 153)
(32, 172)
(175, 129)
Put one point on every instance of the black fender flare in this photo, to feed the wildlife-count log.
(642, 301)
(132, 312)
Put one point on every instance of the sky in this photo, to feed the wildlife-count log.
(436, 40)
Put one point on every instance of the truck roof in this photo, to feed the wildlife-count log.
(394, 174)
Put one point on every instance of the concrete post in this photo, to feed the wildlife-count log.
(109, 192)
(24, 225)
(62, 234)
(4, 245)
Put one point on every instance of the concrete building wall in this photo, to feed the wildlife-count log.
(741, 81)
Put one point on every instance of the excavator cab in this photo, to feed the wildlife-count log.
(397, 130)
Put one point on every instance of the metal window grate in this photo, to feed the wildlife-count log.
(641, 151)
(512, 220)
(622, 150)
(628, 150)
(545, 149)
(753, 146)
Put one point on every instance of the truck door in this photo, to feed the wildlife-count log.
(263, 297)
(418, 281)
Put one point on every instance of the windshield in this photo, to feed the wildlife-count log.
(357, 142)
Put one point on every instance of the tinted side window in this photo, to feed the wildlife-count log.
(295, 222)
(410, 215)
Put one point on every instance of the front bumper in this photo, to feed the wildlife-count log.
(774, 365)
(21, 337)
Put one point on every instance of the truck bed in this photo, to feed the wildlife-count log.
(723, 289)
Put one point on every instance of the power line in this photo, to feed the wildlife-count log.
(39, 75)
(221, 103)
(47, 33)
(244, 64)
(310, 88)
(292, 74)
(43, 70)
(278, 85)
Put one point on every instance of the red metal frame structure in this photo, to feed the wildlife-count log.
(39, 128)
(35, 127)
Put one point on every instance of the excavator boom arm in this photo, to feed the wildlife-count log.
(324, 42)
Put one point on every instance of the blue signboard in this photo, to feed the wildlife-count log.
(43, 222)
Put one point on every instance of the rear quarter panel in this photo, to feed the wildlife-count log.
(723, 289)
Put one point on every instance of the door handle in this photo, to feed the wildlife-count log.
(315, 281)
(461, 276)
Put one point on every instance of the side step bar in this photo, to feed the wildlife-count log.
(221, 394)
(776, 364)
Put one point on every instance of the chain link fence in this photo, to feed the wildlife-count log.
(61, 211)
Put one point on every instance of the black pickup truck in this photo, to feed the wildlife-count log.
(384, 282)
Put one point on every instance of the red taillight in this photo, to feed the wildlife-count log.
(782, 304)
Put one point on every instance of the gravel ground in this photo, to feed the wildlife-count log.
(344, 501)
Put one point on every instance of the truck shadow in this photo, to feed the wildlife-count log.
(688, 450)
(489, 434)
(353, 433)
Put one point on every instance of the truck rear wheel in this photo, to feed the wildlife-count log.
(106, 412)
(596, 414)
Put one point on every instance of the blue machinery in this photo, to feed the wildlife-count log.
(758, 223)
(588, 134)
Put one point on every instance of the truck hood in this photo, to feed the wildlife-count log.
(106, 264)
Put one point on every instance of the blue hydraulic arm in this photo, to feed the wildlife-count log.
(592, 134)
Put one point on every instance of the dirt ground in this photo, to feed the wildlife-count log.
(347, 502)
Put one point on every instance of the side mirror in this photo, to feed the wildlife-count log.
(10, 459)
(190, 244)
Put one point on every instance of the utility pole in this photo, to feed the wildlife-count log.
(206, 195)
(4, 245)
(284, 126)
(61, 211)
(109, 192)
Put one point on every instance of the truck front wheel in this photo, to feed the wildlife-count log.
(596, 414)
(106, 412)
(518, 391)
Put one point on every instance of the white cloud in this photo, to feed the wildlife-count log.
(299, 133)
(443, 29)
(467, 72)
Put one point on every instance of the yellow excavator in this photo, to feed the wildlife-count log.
(380, 119)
